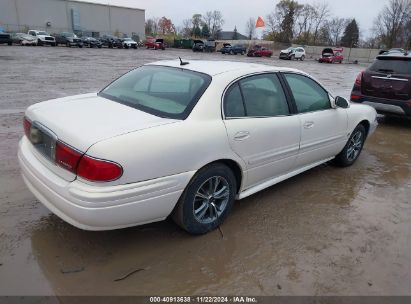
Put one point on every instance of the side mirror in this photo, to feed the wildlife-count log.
(341, 102)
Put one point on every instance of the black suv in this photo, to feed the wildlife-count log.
(68, 39)
(386, 84)
(111, 41)
(6, 38)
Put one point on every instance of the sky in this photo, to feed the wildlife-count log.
(237, 12)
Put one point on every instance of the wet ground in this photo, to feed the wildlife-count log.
(329, 231)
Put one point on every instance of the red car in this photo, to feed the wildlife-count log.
(386, 84)
(259, 51)
(153, 43)
(329, 55)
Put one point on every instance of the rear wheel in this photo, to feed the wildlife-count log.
(353, 148)
(302, 58)
(207, 199)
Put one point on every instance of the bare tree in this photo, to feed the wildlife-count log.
(336, 27)
(186, 28)
(304, 22)
(208, 18)
(391, 23)
(216, 24)
(250, 28)
(321, 13)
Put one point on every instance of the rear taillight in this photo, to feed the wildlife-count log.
(358, 80)
(27, 126)
(354, 97)
(98, 170)
(67, 157)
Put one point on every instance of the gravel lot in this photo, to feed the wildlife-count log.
(329, 231)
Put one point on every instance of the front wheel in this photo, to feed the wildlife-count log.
(353, 148)
(207, 200)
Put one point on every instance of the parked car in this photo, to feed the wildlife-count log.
(329, 55)
(259, 51)
(111, 41)
(233, 49)
(43, 38)
(108, 171)
(91, 42)
(5, 38)
(198, 46)
(293, 53)
(209, 45)
(386, 84)
(129, 43)
(153, 43)
(24, 39)
(68, 39)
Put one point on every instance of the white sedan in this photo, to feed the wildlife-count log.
(183, 139)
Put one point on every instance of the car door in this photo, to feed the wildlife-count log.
(323, 127)
(260, 128)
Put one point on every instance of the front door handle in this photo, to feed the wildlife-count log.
(243, 135)
(308, 124)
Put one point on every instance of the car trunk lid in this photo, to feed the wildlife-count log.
(83, 120)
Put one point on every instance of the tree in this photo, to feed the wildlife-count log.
(304, 23)
(150, 27)
(280, 23)
(351, 35)
(250, 28)
(186, 28)
(391, 23)
(165, 26)
(287, 9)
(235, 34)
(216, 22)
(320, 14)
(205, 31)
(335, 28)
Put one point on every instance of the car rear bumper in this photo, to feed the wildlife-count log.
(99, 207)
(396, 107)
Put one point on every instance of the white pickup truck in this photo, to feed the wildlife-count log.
(43, 38)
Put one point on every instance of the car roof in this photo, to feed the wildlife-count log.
(219, 67)
(395, 55)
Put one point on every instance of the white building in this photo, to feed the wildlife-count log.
(56, 16)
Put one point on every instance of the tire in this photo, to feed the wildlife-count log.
(292, 57)
(302, 58)
(352, 149)
(196, 198)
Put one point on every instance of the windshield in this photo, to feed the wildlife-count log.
(392, 66)
(127, 39)
(162, 91)
(42, 33)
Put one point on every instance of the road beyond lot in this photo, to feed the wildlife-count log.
(329, 231)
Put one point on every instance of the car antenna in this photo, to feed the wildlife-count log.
(183, 62)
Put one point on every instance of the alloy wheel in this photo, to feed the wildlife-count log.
(211, 199)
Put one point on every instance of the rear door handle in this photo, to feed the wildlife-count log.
(242, 135)
(308, 124)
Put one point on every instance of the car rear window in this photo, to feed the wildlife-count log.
(391, 65)
(158, 90)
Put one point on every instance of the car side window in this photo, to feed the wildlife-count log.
(233, 102)
(264, 96)
(308, 95)
(256, 96)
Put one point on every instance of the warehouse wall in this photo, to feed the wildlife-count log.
(17, 15)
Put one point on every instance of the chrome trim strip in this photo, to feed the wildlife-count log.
(390, 78)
